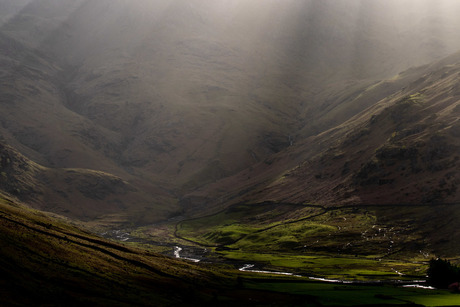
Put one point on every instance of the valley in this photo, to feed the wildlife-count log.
(367, 242)
(55, 262)
(222, 153)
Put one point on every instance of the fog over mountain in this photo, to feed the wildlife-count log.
(174, 95)
(229, 152)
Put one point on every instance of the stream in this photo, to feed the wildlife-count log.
(252, 268)
(177, 251)
(247, 267)
(412, 283)
(199, 255)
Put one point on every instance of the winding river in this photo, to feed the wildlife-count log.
(177, 251)
(247, 268)
(251, 268)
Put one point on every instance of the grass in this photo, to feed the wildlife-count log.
(231, 225)
(341, 230)
(45, 260)
(356, 243)
(52, 261)
(347, 268)
(352, 295)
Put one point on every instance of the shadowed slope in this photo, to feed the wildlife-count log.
(46, 261)
(78, 193)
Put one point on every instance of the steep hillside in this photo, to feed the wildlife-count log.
(404, 149)
(47, 261)
(172, 97)
(383, 185)
(81, 194)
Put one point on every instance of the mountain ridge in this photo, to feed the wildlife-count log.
(180, 100)
(313, 138)
(422, 130)
(415, 103)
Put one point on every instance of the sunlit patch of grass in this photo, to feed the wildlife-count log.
(208, 232)
(348, 268)
(284, 236)
(351, 243)
(348, 243)
(230, 225)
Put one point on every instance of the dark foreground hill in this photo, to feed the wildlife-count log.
(46, 261)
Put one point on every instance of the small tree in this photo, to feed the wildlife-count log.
(441, 273)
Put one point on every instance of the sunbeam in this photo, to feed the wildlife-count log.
(9, 9)
(151, 151)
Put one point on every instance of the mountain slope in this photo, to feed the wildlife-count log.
(382, 184)
(403, 149)
(47, 261)
(172, 97)
(82, 194)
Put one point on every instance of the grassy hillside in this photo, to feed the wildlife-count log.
(372, 239)
(403, 149)
(48, 261)
(82, 194)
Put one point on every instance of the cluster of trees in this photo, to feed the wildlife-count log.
(442, 274)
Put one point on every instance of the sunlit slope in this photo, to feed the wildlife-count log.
(296, 232)
(404, 149)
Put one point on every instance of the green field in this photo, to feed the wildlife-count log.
(346, 268)
(353, 243)
(354, 295)
(369, 251)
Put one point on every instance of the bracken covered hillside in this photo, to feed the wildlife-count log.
(403, 149)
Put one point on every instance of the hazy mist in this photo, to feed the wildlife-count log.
(184, 93)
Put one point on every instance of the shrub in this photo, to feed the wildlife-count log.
(441, 273)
